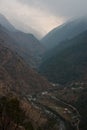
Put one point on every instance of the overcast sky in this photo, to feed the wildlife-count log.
(41, 16)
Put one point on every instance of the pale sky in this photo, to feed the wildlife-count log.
(41, 16)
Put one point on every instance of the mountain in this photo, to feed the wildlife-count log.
(22, 96)
(29, 48)
(64, 32)
(26, 45)
(18, 86)
(5, 23)
(18, 81)
(20, 89)
(16, 75)
(67, 62)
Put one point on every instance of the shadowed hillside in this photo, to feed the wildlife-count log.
(67, 62)
(17, 75)
(64, 32)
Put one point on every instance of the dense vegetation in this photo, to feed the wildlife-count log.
(67, 62)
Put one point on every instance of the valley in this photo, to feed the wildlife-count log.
(57, 108)
(43, 83)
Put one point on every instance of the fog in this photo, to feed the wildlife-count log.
(41, 16)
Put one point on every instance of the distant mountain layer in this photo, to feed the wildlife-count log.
(5, 23)
(16, 76)
(26, 45)
(67, 62)
(64, 32)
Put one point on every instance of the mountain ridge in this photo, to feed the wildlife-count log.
(64, 32)
(25, 44)
(5, 23)
(68, 61)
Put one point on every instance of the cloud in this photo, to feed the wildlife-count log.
(40, 16)
(64, 8)
(29, 18)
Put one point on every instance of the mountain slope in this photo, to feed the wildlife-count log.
(5, 23)
(26, 45)
(68, 61)
(17, 76)
(64, 32)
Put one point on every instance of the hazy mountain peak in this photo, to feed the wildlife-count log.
(66, 31)
(5, 23)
